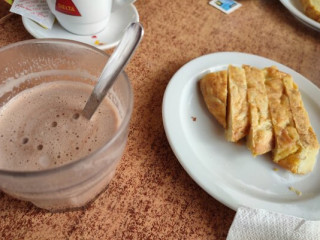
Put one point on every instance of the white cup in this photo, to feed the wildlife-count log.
(84, 17)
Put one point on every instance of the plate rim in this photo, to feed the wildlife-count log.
(215, 191)
(300, 15)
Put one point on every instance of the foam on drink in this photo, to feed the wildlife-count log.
(42, 127)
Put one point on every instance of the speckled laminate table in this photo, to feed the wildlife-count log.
(151, 196)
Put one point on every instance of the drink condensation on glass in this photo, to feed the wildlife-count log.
(50, 154)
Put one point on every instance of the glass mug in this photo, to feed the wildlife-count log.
(72, 184)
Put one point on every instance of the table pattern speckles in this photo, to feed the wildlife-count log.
(151, 196)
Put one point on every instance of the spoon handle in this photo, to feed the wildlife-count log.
(118, 60)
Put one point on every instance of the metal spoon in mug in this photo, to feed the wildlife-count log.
(118, 60)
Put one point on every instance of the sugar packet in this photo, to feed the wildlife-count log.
(226, 6)
(36, 10)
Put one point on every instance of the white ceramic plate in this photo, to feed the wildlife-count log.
(227, 171)
(105, 39)
(295, 7)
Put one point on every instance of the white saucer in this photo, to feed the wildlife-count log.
(105, 39)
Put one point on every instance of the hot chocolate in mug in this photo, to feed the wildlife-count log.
(84, 17)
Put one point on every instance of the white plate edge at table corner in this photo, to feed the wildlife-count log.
(300, 15)
(222, 195)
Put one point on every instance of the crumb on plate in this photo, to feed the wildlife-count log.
(299, 193)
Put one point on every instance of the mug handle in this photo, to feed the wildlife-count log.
(119, 3)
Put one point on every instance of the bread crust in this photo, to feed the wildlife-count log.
(213, 87)
(304, 160)
(260, 137)
(296, 145)
(286, 136)
(237, 108)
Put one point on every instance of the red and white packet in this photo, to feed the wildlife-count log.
(37, 10)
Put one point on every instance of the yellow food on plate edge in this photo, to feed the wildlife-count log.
(311, 8)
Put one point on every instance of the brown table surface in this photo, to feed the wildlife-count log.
(151, 196)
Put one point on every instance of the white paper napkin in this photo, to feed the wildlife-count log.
(259, 224)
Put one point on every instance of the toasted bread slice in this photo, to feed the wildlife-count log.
(237, 108)
(286, 135)
(311, 8)
(296, 145)
(260, 137)
(213, 87)
(304, 159)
